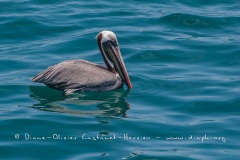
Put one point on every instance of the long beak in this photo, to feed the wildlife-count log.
(113, 53)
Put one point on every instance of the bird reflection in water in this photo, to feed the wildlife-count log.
(111, 103)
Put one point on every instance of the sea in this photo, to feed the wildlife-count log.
(183, 59)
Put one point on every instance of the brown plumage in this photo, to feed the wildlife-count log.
(80, 75)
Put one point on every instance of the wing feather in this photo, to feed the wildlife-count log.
(78, 75)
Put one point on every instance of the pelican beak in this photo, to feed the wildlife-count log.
(113, 54)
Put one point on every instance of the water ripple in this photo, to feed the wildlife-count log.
(182, 58)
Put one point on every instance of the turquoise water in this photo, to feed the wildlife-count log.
(183, 58)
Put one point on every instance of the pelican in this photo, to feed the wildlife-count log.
(81, 75)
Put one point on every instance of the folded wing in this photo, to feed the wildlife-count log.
(81, 75)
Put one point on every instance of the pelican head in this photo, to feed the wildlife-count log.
(109, 48)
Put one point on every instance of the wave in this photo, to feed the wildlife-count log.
(183, 20)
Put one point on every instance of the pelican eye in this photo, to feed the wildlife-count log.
(113, 42)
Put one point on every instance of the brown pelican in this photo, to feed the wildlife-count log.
(81, 75)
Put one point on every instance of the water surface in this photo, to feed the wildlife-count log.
(183, 59)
